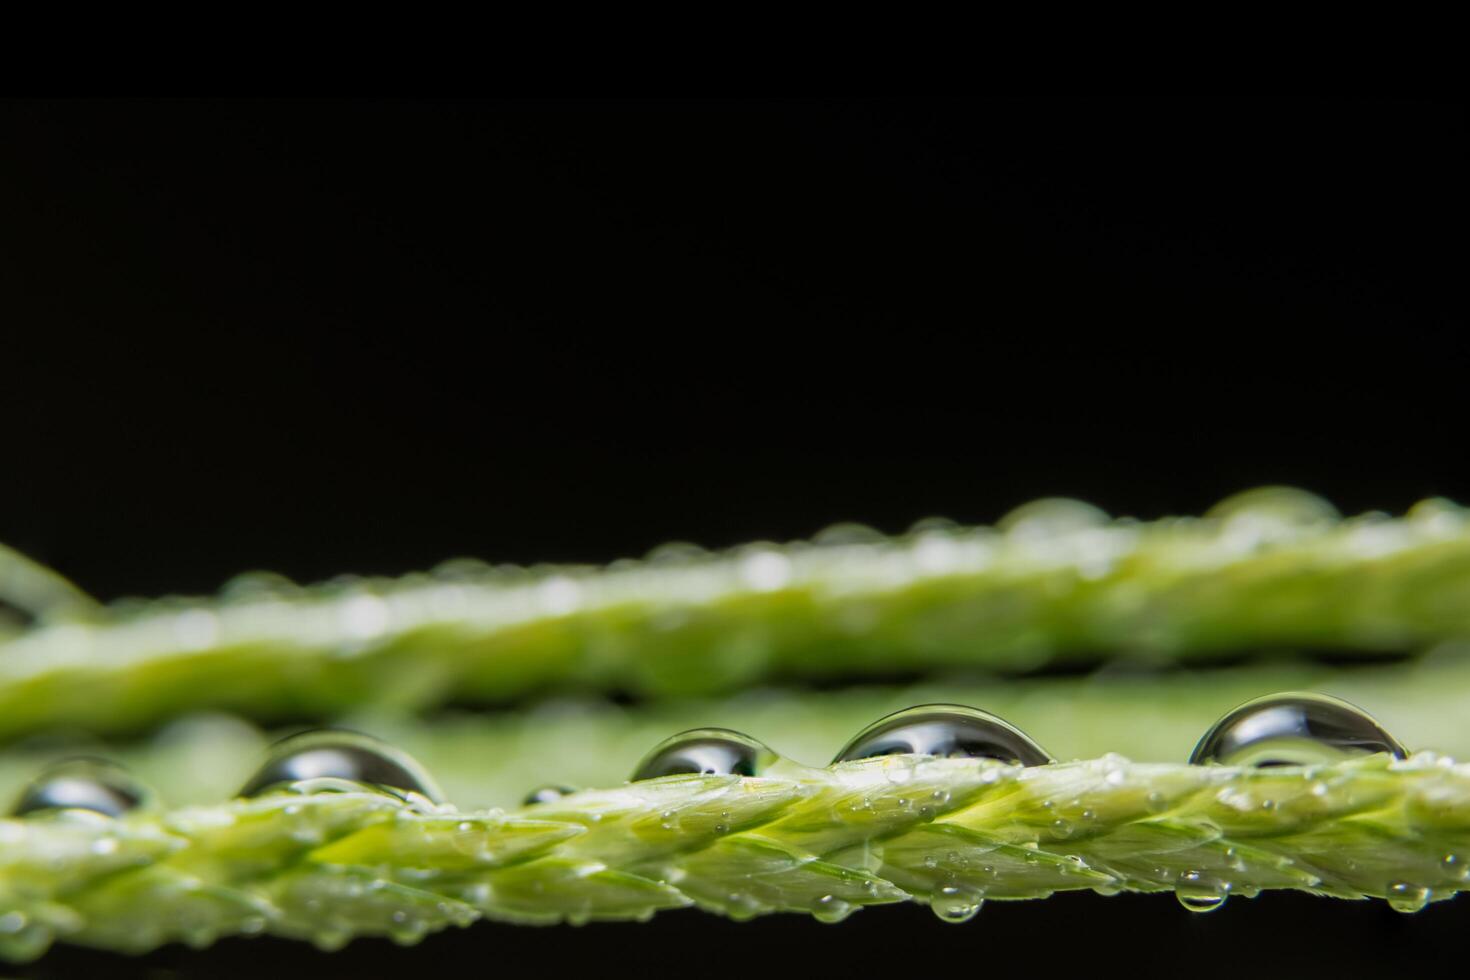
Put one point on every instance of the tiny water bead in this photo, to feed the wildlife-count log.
(82, 784)
(1293, 728)
(706, 751)
(340, 755)
(546, 794)
(948, 731)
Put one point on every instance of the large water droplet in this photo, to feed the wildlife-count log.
(546, 794)
(1198, 893)
(340, 755)
(1404, 897)
(707, 751)
(954, 904)
(1293, 729)
(948, 731)
(82, 784)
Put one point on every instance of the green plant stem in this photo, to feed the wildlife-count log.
(1056, 583)
(328, 866)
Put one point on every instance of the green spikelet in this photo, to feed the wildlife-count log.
(951, 833)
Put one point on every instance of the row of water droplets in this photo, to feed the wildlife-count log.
(1288, 729)
(1296, 729)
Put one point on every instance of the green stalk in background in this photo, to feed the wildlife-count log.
(1056, 582)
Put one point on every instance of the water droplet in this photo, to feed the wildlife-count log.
(546, 794)
(1198, 893)
(1293, 729)
(710, 751)
(765, 571)
(830, 909)
(1404, 897)
(1287, 506)
(82, 784)
(1201, 903)
(954, 904)
(330, 754)
(1050, 517)
(948, 731)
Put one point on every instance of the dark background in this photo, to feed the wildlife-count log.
(336, 336)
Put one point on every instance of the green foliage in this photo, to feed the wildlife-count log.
(703, 637)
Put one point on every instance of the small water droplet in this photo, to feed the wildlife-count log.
(954, 904)
(546, 794)
(82, 784)
(947, 731)
(1201, 903)
(1051, 516)
(1293, 729)
(710, 751)
(1407, 898)
(1155, 802)
(829, 909)
(765, 571)
(349, 756)
(1198, 893)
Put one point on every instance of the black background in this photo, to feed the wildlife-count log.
(334, 336)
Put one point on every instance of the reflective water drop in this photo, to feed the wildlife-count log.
(707, 751)
(1282, 505)
(1051, 516)
(341, 755)
(1199, 894)
(1407, 898)
(948, 731)
(1293, 729)
(956, 905)
(830, 909)
(1200, 903)
(546, 794)
(82, 784)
